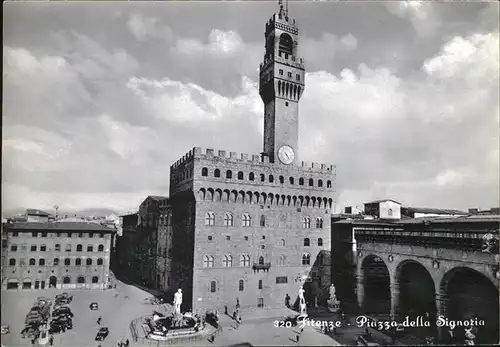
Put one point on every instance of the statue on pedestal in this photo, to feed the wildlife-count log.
(333, 303)
(178, 301)
(302, 301)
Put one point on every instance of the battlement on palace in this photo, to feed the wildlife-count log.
(236, 157)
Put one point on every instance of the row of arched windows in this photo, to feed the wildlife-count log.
(227, 260)
(43, 248)
(246, 220)
(262, 198)
(80, 279)
(182, 176)
(262, 178)
(307, 242)
(41, 262)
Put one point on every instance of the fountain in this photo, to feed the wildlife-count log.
(332, 302)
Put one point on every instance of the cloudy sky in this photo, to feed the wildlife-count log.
(99, 99)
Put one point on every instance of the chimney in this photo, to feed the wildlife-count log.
(348, 210)
(473, 210)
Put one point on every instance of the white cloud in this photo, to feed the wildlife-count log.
(422, 15)
(143, 27)
(220, 42)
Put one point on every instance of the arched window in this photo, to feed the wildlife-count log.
(67, 262)
(282, 179)
(208, 261)
(33, 248)
(228, 219)
(81, 279)
(319, 223)
(271, 178)
(57, 247)
(251, 176)
(262, 221)
(41, 262)
(95, 279)
(78, 262)
(13, 248)
(90, 248)
(389, 212)
(301, 181)
(260, 284)
(244, 260)
(79, 248)
(261, 260)
(216, 173)
(204, 171)
(213, 287)
(209, 218)
(306, 222)
(328, 184)
(66, 280)
(100, 248)
(227, 261)
(282, 260)
(12, 262)
(56, 261)
(229, 174)
(286, 45)
(262, 177)
(320, 183)
(241, 285)
(307, 242)
(311, 182)
(306, 259)
(291, 180)
(246, 221)
(89, 261)
(240, 175)
(320, 242)
(68, 248)
(43, 248)
(100, 261)
(283, 243)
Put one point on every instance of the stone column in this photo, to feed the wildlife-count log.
(442, 310)
(394, 300)
(360, 276)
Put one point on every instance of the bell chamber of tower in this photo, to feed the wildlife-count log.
(282, 76)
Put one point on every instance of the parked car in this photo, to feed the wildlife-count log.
(101, 334)
(66, 323)
(65, 296)
(56, 329)
(33, 316)
(43, 338)
(94, 306)
(5, 329)
(295, 319)
(60, 302)
(29, 332)
(367, 340)
(62, 311)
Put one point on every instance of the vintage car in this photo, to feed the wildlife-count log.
(102, 334)
(94, 306)
(5, 329)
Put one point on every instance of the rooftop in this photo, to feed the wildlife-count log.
(434, 210)
(62, 226)
(33, 212)
(381, 200)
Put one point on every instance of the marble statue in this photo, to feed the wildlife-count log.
(332, 302)
(332, 293)
(302, 301)
(178, 301)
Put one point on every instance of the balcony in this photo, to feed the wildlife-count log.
(261, 266)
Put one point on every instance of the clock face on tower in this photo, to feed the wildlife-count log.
(286, 154)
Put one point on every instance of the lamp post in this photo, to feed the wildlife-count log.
(57, 208)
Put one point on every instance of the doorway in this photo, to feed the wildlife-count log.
(260, 302)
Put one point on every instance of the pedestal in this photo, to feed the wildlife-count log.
(394, 301)
(360, 289)
(442, 310)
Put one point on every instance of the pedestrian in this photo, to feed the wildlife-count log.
(298, 338)
(99, 320)
(287, 300)
(51, 340)
(127, 342)
(213, 338)
(225, 309)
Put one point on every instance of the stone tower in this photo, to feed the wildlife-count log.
(281, 86)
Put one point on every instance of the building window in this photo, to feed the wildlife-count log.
(209, 218)
(260, 302)
(229, 174)
(311, 182)
(271, 178)
(244, 260)
(58, 247)
(210, 238)
(204, 171)
(79, 248)
(80, 235)
(43, 248)
(306, 259)
(389, 212)
(228, 238)
(67, 262)
(90, 248)
(13, 248)
(227, 261)
(34, 234)
(241, 285)
(297, 77)
(89, 261)
(33, 248)
(100, 248)
(213, 287)
(67, 280)
(251, 176)
(32, 261)
(289, 74)
(78, 262)
(262, 221)
(263, 237)
(56, 261)
(246, 221)
(319, 223)
(320, 183)
(320, 242)
(41, 262)
(291, 180)
(281, 72)
(260, 284)
(282, 242)
(286, 103)
(228, 220)
(306, 222)
(208, 261)
(216, 173)
(246, 238)
(328, 184)
(282, 179)
(261, 260)
(281, 279)
(15, 234)
(81, 279)
(282, 260)
(12, 262)
(95, 279)
(240, 175)
(263, 246)
(307, 242)
(99, 261)
(262, 177)
(101, 235)
(68, 248)
(301, 181)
